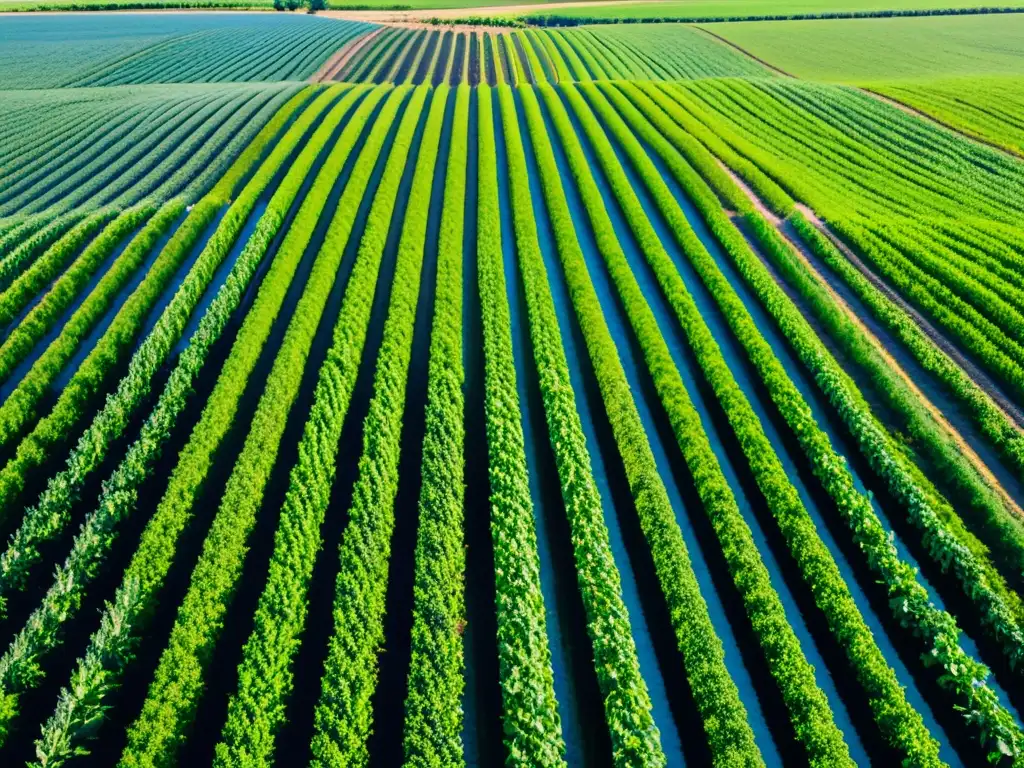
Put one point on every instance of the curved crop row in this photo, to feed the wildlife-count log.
(987, 510)
(178, 681)
(90, 378)
(725, 718)
(627, 705)
(44, 315)
(776, 198)
(26, 285)
(20, 666)
(533, 731)
(808, 707)
(433, 704)
(963, 676)
(109, 650)
(32, 237)
(49, 516)
(343, 717)
(993, 422)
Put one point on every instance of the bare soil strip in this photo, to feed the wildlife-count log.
(980, 378)
(340, 59)
(932, 119)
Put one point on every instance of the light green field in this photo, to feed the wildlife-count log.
(744, 8)
(861, 50)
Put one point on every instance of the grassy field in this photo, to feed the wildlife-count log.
(382, 395)
(859, 50)
(744, 8)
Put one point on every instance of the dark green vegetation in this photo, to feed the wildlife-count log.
(537, 397)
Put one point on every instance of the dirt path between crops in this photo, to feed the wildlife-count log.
(932, 119)
(979, 378)
(340, 59)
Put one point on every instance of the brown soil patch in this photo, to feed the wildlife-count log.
(340, 58)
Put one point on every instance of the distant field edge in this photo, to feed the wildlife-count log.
(486, 13)
(555, 20)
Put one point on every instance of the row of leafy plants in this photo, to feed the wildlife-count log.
(343, 719)
(178, 681)
(109, 652)
(532, 728)
(110, 173)
(990, 517)
(91, 378)
(987, 509)
(627, 704)
(42, 318)
(35, 276)
(20, 667)
(808, 706)
(963, 676)
(725, 718)
(433, 703)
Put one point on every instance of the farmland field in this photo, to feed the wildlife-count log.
(382, 394)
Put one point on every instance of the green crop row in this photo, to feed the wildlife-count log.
(724, 716)
(50, 515)
(533, 731)
(109, 650)
(90, 379)
(433, 704)
(82, 163)
(808, 707)
(998, 608)
(343, 718)
(44, 315)
(108, 175)
(81, 134)
(992, 298)
(900, 723)
(963, 676)
(23, 245)
(944, 537)
(178, 681)
(992, 348)
(103, 145)
(993, 422)
(20, 666)
(36, 276)
(660, 98)
(175, 510)
(941, 540)
(627, 704)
